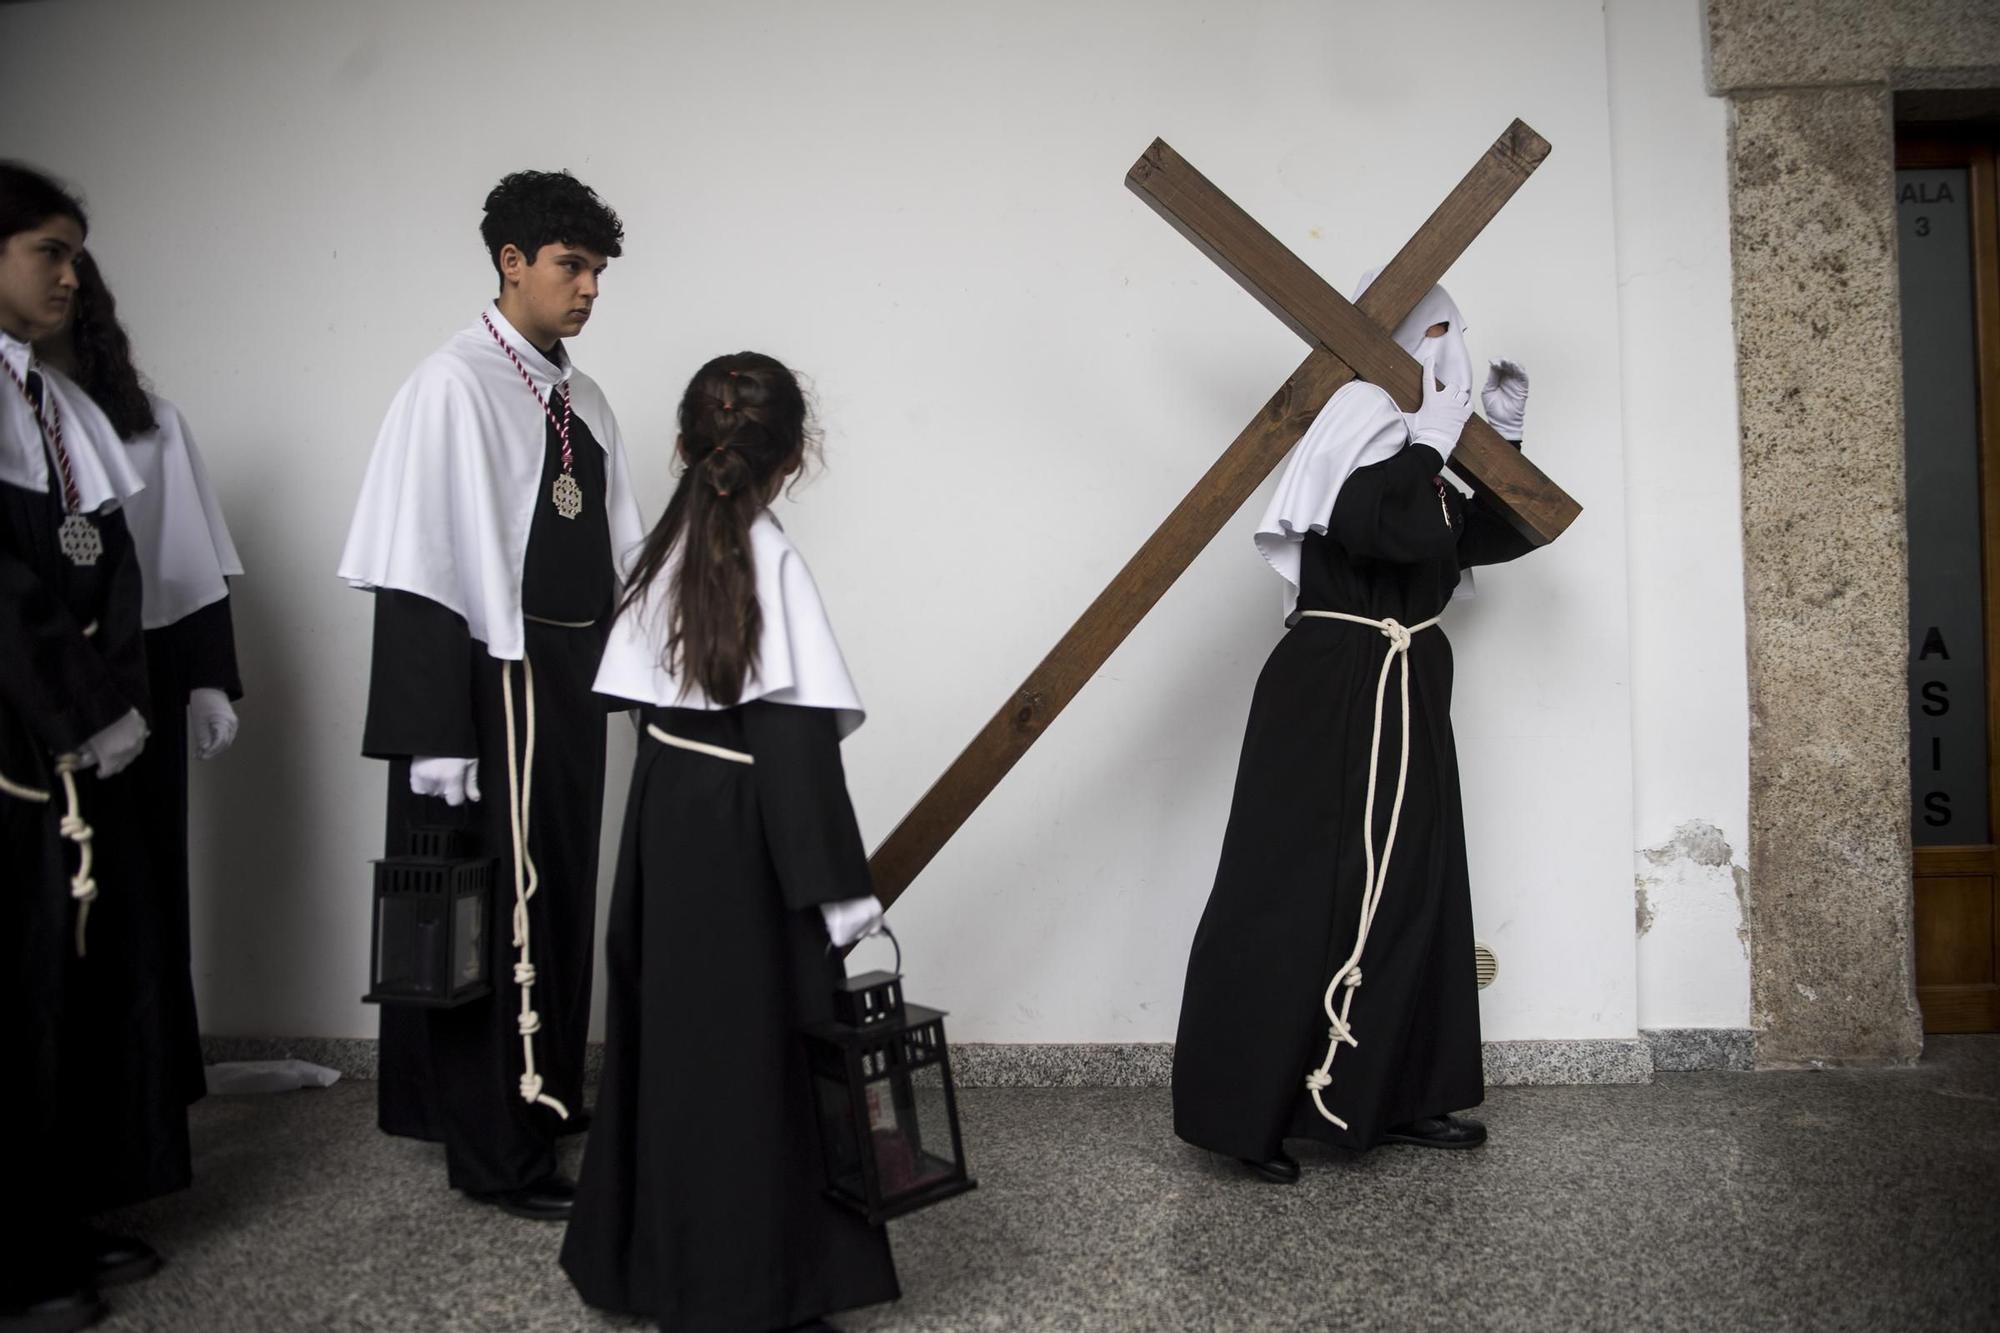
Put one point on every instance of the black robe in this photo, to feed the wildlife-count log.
(198, 651)
(702, 1197)
(92, 1113)
(1284, 911)
(453, 1075)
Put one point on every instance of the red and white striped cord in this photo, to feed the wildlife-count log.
(562, 426)
(52, 429)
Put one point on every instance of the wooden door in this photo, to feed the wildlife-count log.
(1948, 215)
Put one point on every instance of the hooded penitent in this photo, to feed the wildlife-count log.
(1359, 426)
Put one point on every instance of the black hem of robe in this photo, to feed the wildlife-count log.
(702, 1199)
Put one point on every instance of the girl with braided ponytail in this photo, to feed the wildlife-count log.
(702, 1197)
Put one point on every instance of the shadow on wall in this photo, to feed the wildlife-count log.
(261, 833)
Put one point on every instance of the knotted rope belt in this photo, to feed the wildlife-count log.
(1348, 976)
(520, 791)
(82, 885)
(699, 747)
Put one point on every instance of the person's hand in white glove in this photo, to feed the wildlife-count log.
(1505, 397)
(454, 781)
(852, 919)
(111, 749)
(1443, 413)
(211, 722)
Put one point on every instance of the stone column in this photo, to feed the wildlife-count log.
(1819, 370)
(1819, 366)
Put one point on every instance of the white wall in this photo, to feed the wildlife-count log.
(1020, 369)
(1690, 699)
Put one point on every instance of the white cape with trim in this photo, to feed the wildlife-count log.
(450, 493)
(104, 480)
(798, 660)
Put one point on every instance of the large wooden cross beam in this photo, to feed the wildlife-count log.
(1348, 342)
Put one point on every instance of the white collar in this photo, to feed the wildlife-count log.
(17, 354)
(545, 371)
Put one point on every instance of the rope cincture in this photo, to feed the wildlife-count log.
(82, 885)
(20, 791)
(1348, 978)
(520, 790)
(699, 747)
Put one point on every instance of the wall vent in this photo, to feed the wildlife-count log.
(1485, 964)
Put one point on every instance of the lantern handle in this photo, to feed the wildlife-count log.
(881, 929)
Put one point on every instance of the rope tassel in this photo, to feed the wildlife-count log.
(82, 885)
(1347, 979)
(520, 792)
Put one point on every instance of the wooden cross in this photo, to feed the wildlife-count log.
(1348, 342)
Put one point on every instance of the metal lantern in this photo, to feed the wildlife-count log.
(888, 1113)
(433, 909)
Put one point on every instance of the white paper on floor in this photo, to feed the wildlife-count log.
(241, 1076)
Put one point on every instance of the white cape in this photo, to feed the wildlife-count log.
(798, 660)
(450, 493)
(97, 462)
(185, 553)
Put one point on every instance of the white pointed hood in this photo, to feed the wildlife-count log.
(1359, 426)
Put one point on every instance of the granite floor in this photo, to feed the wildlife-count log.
(1831, 1200)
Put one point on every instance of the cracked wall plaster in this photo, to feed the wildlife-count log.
(1694, 967)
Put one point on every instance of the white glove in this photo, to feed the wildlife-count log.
(211, 721)
(111, 749)
(455, 780)
(852, 919)
(1443, 413)
(1505, 397)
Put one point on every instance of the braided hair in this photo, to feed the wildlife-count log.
(743, 429)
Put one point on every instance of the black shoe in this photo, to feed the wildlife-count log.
(1279, 1168)
(1438, 1131)
(550, 1200)
(113, 1261)
(64, 1313)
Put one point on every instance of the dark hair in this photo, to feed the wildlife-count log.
(102, 354)
(531, 209)
(29, 198)
(743, 422)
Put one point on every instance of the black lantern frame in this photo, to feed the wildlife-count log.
(886, 1103)
(433, 912)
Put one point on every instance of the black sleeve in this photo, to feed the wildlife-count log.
(204, 642)
(419, 682)
(809, 823)
(1488, 538)
(66, 687)
(1392, 510)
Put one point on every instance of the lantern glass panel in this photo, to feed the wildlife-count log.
(469, 940)
(911, 1133)
(409, 946)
